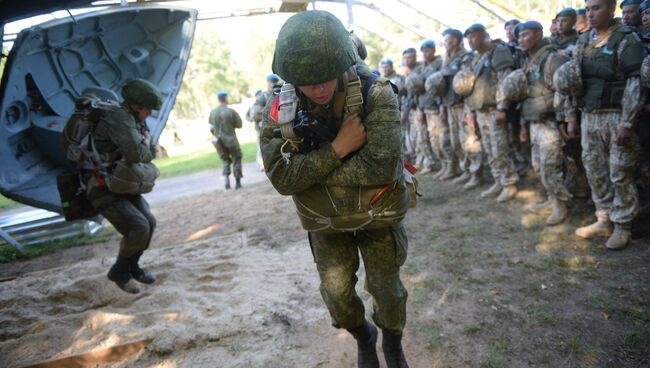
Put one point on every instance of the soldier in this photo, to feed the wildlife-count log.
(581, 20)
(431, 134)
(534, 84)
(464, 149)
(552, 29)
(608, 58)
(223, 122)
(567, 35)
(491, 63)
(334, 182)
(122, 134)
(258, 107)
(644, 13)
(409, 106)
(389, 73)
(630, 15)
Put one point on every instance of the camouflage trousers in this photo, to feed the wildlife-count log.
(521, 151)
(610, 168)
(465, 143)
(424, 156)
(337, 260)
(547, 157)
(230, 155)
(438, 135)
(131, 217)
(496, 145)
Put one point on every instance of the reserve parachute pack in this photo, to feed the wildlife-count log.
(317, 206)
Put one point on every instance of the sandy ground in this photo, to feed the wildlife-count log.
(489, 287)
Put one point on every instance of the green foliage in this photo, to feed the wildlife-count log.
(209, 69)
(6, 203)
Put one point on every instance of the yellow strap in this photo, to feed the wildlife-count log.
(535, 57)
(602, 38)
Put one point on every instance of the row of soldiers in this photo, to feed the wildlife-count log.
(568, 105)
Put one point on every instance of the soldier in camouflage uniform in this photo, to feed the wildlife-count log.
(122, 134)
(432, 136)
(644, 13)
(630, 14)
(409, 104)
(610, 56)
(223, 122)
(464, 150)
(258, 108)
(363, 159)
(492, 62)
(567, 35)
(538, 114)
(581, 21)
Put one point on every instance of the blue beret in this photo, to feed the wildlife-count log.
(643, 7)
(272, 78)
(630, 2)
(452, 32)
(567, 12)
(512, 22)
(474, 28)
(376, 72)
(429, 44)
(581, 11)
(222, 94)
(531, 24)
(386, 61)
(410, 50)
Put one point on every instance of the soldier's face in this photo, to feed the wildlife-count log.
(565, 24)
(510, 32)
(409, 60)
(451, 43)
(554, 27)
(599, 13)
(387, 69)
(320, 94)
(645, 19)
(428, 53)
(477, 40)
(630, 16)
(528, 38)
(141, 112)
(581, 23)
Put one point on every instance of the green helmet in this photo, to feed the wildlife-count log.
(142, 92)
(312, 47)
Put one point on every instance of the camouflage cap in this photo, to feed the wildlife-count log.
(436, 84)
(142, 92)
(464, 83)
(313, 47)
(568, 79)
(645, 72)
(515, 86)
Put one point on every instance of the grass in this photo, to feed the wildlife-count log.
(7, 204)
(199, 161)
(9, 254)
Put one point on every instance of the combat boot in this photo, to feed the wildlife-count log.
(558, 214)
(226, 180)
(493, 191)
(238, 183)
(464, 178)
(452, 172)
(474, 182)
(601, 228)
(620, 238)
(508, 193)
(121, 276)
(138, 273)
(393, 352)
(540, 207)
(366, 336)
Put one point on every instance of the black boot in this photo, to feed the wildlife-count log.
(366, 336)
(226, 179)
(121, 276)
(238, 183)
(138, 273)
(393, 353)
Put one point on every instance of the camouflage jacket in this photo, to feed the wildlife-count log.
(410, 100)
(398, 81)
(426, 100)
(307, 176)
(490, 68)
(260, 104)
(122, 137)
(223, 122)
(451, 65)
(566, 42)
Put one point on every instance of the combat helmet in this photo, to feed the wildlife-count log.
(436, 84)
(568, 79)
(645, 72)
(414, 83)
(313, 47)
(142, 92)
(464, 83)
(515, 86)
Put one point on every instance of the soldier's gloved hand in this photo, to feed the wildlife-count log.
(443, 117)
(572, 129)
(351, 136)
(623, 136)
(501, 117)
(523, 133)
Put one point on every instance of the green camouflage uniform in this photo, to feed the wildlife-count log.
(223, 122)
(383, 250)
(121, 136)
(610, 167)
(491, 67)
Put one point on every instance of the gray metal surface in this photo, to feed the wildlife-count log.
(52, 63)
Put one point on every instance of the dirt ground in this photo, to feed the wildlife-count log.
(489, 286)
